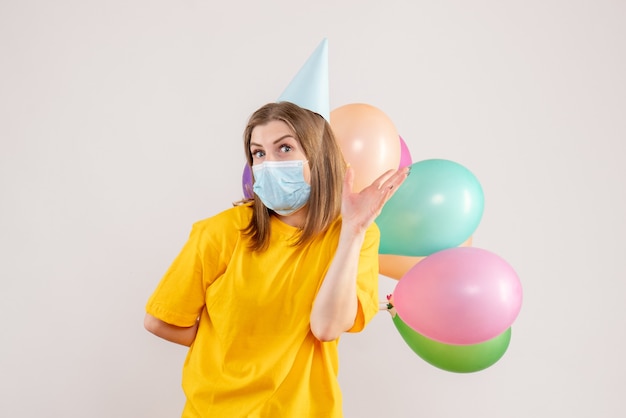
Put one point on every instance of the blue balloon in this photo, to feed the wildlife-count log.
(438, 206)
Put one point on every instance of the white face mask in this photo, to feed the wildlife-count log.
(281, 186)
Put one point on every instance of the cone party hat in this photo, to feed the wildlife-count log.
(310, 87)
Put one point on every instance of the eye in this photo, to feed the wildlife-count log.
(257, 153)
(285, 148)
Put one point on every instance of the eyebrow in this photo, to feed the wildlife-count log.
(276, 141)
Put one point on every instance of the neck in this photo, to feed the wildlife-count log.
(296, 219)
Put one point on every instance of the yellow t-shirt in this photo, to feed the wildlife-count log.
(254, 354)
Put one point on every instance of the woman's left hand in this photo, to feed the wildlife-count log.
(359, 210)
(336, 304)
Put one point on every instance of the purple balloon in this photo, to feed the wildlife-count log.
(463, 295)
(405, 154)
(246, 182)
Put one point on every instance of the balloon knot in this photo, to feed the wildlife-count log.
(389, 304)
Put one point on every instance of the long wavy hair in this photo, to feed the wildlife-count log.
(326, 163)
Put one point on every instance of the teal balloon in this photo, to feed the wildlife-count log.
(438, 206)
(455, 358)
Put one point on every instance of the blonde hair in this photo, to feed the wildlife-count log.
(325, 160)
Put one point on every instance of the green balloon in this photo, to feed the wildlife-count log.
(454, 358)
(438, 206)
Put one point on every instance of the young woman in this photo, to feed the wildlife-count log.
(262, 292)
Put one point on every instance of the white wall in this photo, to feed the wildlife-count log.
(120, 125)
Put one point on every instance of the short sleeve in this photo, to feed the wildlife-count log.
(367, 280)
(179, 296)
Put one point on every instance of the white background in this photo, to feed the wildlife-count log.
(121, 124)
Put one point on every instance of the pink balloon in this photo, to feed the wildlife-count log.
(246, 182)
(463, 295)
(405, 154)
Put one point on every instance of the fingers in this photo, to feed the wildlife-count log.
(348, 181)
(379, 183)
(391, 180)
(361, 208)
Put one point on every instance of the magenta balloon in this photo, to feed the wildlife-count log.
(246, 182)
(405, 154)
(463, 295)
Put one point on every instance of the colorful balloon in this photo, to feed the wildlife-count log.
(396, 266)
(368, 141)
(438, 206)
(454, 358)
(462, 295)
(405, 155)
(246, 182)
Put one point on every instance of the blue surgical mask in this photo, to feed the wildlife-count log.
(281, 186)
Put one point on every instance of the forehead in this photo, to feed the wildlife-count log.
(272, 131)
